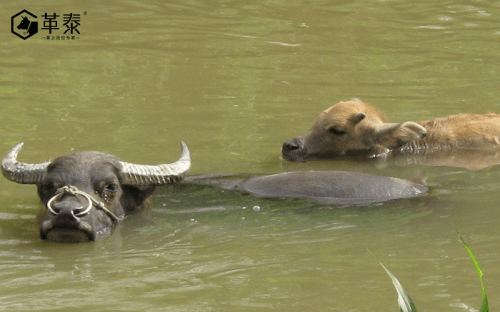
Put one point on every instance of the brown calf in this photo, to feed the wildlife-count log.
(355, 128)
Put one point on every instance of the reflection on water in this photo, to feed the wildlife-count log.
(235, 80)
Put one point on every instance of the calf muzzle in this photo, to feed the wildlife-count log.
(294, 150)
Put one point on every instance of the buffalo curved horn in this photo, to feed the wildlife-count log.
(20, 172)
(160, 174)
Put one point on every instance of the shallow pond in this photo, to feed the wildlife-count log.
(234, 80)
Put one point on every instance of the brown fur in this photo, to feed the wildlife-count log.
(464, 130)
(355, 128)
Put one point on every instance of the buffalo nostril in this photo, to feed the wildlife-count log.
(65, 208)
(70, 206)
(72, 210)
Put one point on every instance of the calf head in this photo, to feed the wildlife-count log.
(351, 128)
(85, 193)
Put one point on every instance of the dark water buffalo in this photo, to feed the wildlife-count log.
(355, 128)
(85, 193)
(327, 187)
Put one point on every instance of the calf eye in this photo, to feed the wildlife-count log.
(336, 131)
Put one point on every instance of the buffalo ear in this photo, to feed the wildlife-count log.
(392, 135)
(354, 119)
(134, 196)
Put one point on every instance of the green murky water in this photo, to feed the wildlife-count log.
(235, 79)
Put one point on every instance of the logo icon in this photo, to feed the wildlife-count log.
(23, 24)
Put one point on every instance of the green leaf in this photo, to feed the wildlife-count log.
(484, 306)
(404, 301)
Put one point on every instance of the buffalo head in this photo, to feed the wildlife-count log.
(85, 193)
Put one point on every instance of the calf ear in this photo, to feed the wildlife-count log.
(392, 135)
(354, 119)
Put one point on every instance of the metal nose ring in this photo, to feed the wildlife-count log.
(74, 191)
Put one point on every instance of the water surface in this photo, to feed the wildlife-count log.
(234, 80)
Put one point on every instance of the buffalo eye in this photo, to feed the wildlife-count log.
(336, 131)
(111, 187)
(109, 192)
(49, 187)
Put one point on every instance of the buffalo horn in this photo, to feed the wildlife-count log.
(20, 172)
(160, 174)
